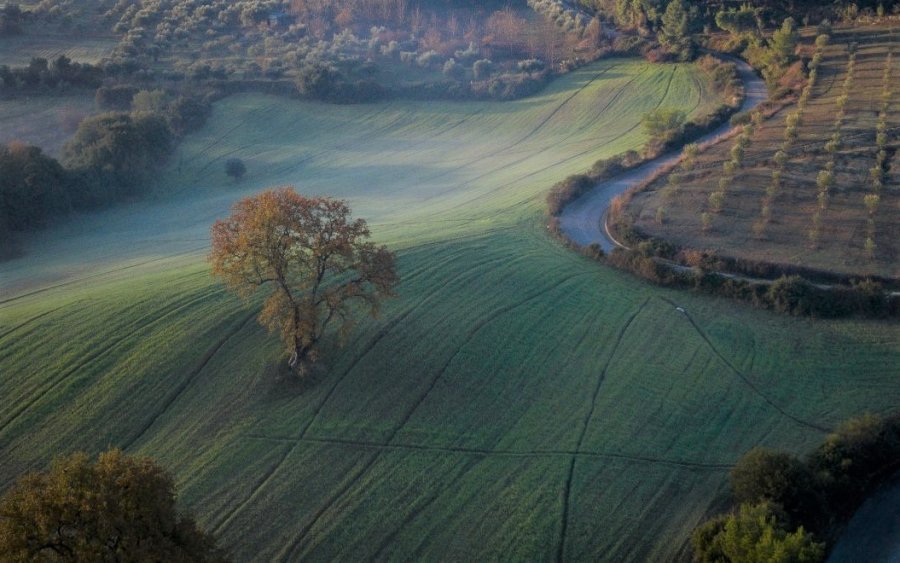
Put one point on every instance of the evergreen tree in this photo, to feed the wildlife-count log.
(674, 34)
(784, 43)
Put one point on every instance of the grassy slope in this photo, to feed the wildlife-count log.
(841, 246)
(517, 401)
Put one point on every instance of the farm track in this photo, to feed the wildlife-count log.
(567, 486)
(186, 381)
(483, 452)
(384, 331)
(501, 187)
(287, 554)
(101, 274)
(743, 377)
(141, 324)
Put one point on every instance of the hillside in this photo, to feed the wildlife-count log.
(516, 401)
(845, 220)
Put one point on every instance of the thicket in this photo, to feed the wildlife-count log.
(110, 157)
(43, 75)
(814, 495)
(661, 262)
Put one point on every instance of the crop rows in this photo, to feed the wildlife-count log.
(826, 177)
(792, 120)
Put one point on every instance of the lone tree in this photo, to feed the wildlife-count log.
(235, 168)
(663, 123)
(317, 260)
(117, 509)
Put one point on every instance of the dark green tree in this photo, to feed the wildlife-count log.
(663, 123)
(754, 535)
(118, 508)
(235, 168)
(783, 44)
(119, 150)
(34, 188)
(674, 34)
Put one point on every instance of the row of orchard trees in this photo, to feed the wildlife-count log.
(877, 173)
(825, 179)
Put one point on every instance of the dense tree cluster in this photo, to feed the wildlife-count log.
(110, 157)
(118, 508)
(33, 187)
(41, 74)
(783, 499)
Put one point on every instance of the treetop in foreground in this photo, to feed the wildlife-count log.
(119, 508)
(317, 259)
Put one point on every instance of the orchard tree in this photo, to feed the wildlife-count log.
(313, 255)
(783, 44)
(118, 508)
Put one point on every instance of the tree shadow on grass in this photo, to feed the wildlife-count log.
(280, 380)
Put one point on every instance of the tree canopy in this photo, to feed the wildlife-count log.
(315, 257)
(674, 34)
(119, 508)
(753, 535)
(662, 123)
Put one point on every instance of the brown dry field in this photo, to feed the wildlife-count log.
(785, 239)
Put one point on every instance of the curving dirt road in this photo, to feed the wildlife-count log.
(582, 220)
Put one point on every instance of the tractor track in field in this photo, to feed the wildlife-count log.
(534, 130)
(186, 381)
(612, 139)
(28, 322)
(532, 155)
(567, 486)
(756, 390)
(285, 554)
(100, 274)
(484, 452)
(382, 332)
(141, 324)
(468, 338)
(414, 513)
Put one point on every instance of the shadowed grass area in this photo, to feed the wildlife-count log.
(516, 401)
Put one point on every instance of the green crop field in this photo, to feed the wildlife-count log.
(846, 220)
(517, 401)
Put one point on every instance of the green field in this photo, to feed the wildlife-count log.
(517, 401)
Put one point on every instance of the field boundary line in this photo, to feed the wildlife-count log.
(460, 450)
(285, 554)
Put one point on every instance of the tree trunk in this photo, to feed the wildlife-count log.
(299, 361)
